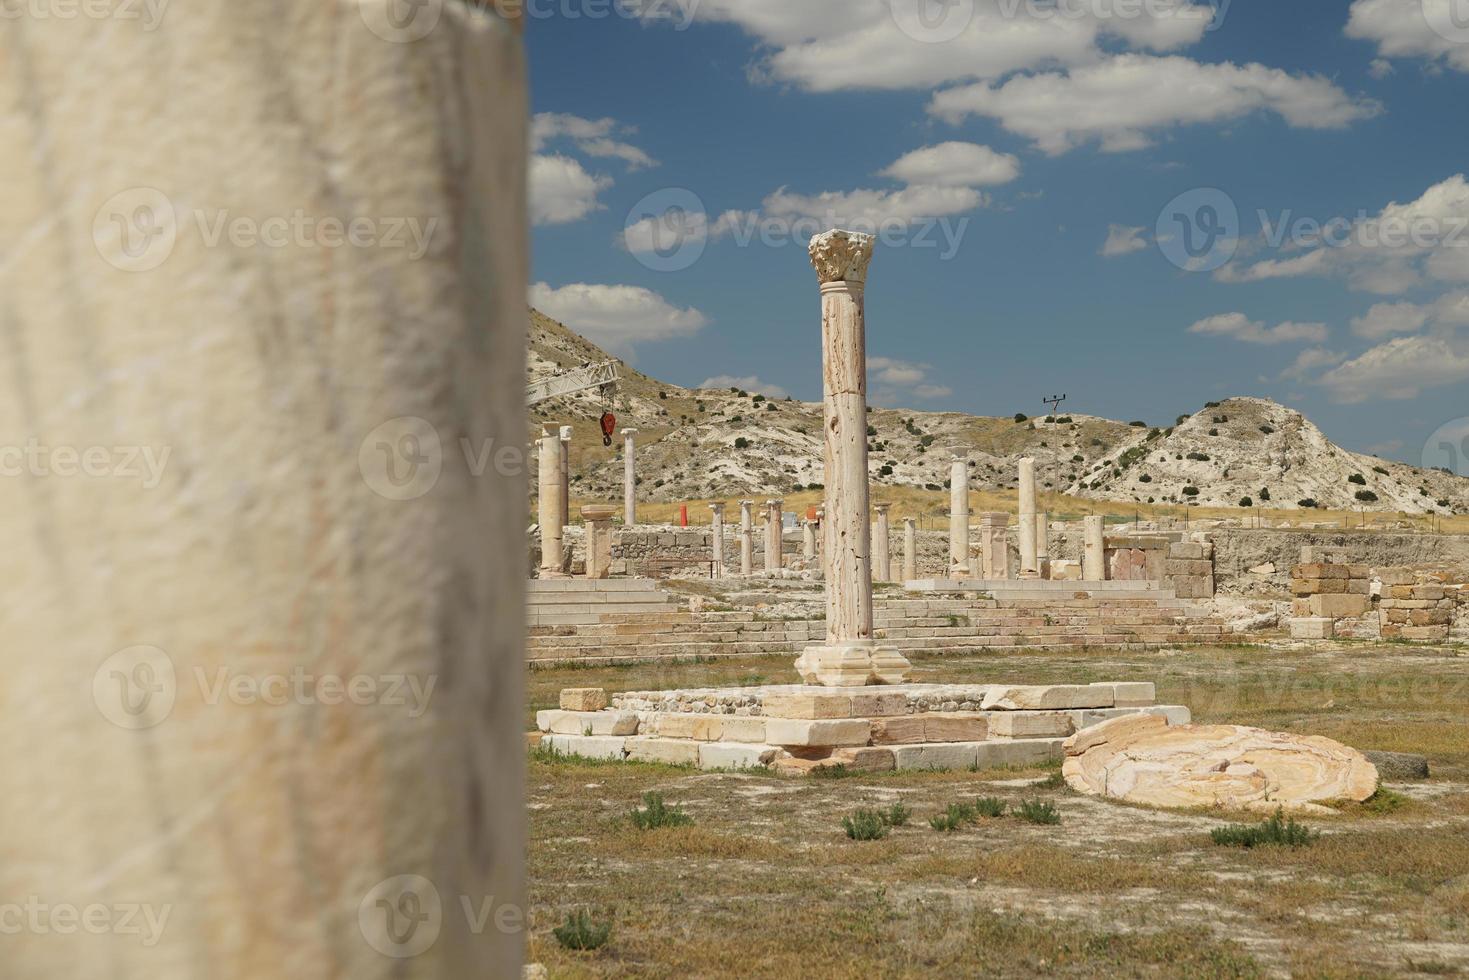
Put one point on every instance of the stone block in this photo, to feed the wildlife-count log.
(1339, 606)
(906, 730)
(1131, 694)
(587, 746)
(1396, 576)
(1428, 633)
(583, 699)
(942, 755)
(1021, 752)
(1186, 549)
(1359, 586)
(865, 759)
(739, 729)
(956, 726)
(1319, 570)
(1031, 724)
(695, 727)
(1303, 587)
(834, 732)
(1432, 592)
(669, 751)
(1430, 617)
(728, 755)
(1359, 571)
(1312, 628)
(1049, 698)
(587, 722)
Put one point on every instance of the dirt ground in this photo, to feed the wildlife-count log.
(764, 882)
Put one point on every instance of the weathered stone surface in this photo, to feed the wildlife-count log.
(1020, 752)
(1053, 697)
(583, 699)
(1031, 724)
(792, 731)
(1399, 765)
(907, 729)
(671, 751)
(587, 746)
(743, 730)
(1131, 694)
(728, 755)
(946, 755)
(1144, 760)
(870, 759)
(955, 726)
(1339, 606)
(698, 728)
(1312, 628)
(587, 722)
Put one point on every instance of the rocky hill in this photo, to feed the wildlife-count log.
(700, 444)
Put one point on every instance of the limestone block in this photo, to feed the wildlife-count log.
(696, 727)
(1432, 592)
(1430, 633)
(1396, 576)
(1339, 606)
(794, 731)
(943, 755)
(1031, 724)
(955, 726)
(1131, 694)
(587, 746)
(1359, 586)
(583, 699)
(1186, 549)
(737, 729)
(670, 751)
(835, 704)
(1430, 617)
(1320, 570)
(904, 730)
(865, 759)
(587, 722)
(727, 755)
(1312, 628)
(1303, 587)
(1214, 765)
(1021, 752)
(1049, 698)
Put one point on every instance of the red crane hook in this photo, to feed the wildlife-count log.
(609, 426)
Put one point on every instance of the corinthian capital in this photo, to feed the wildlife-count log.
(841, 256)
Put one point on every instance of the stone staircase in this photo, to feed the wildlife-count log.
(580, 602)
(952, 625)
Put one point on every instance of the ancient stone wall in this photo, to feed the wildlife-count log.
(1259, 562)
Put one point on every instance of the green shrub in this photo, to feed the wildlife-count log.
(1358, 479)
(990, 806)
(1246, 502)
(1034, 811)
(658, 814)
(1278, 831)
(1268, 430)
(956, 816)
(1366, 496)
(1020, 417)
(580, 932)
(896, 815)
(838, 771)
(1138, 425)
(1308, 504)
(1054, 781)
(1190, 491)
(865, 825)
(742, 443)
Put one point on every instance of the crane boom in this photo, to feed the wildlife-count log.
(592, 376)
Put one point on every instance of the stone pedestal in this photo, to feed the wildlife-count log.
(716, 569)
(1029, 567)
(598, 521)
(629, 478)
(849, 657)
(773, 534)
(910, 549)
(747, 537)
(882, 563)
(994, 545)
(959, 518)
(1093, 560)
(550, 504)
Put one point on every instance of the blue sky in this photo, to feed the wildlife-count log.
(1122, 200)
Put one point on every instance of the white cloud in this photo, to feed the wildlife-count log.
(1380, 68)
(594, 137)
(954, 164)
(672, 229)
(1391, 252)
(615, 317)
(1406, 29)
(1310, 360)
(829, 45)
(1123, 240)
(1389, 319)
(748, 383)
(1399, 369)
(872, 209)
(1118, 101)
(894, 381)
(561, 190)
(1237, 326)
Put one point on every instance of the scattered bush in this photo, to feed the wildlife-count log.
(758, 399)
(1308, 504)
(1220, 419)
(1211, 404)
(1034, 811)
(1190, 491)
(1199, 457)
(1180, 420)
(956, 816)
(1358, 479)
(989, 806)
(1264, 493)
(1276, 832)
(580, 932)
(658, 814)
(1145, 479)
(1366, 496)
(1020, 417)
(663, 395)
(1246, 502)
(896, 815)
(865, 825)
(1268, 430)
(1379, 469)
(1138, 425)
(1213, 432)
(742, 443)
(871, 431)
(1054, 781)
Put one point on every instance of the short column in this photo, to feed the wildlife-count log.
(716, 569)
(882, 563)
(773, 534)
(629, 479)
(1043, 544)
(959, 518)
(1028, 565)
(910, 549)
(549, 505)
(747, 537)
(808, 540)
(1094, 549)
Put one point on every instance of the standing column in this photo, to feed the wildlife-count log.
(849, 657)
(747, 537)
(773, 531)
(881, 555)
(1094, 549)
(550, 502)
(629, 479)
(717, 568)
(1043, 544)
(959, 518)
(263, 835)
(565, 475)
(808, 539)
(910, 549)
(1028, 565)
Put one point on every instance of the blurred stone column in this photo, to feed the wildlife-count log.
(910, 549)
(717, 568)
(629, 479)
(747, 537)
(1028, 565)
(882, 565)
(849, 657)
(808, 539)
(265, 652)
(550, 503)
(959, 518)
(1094, 549)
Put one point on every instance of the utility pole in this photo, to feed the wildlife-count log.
(1055, 402)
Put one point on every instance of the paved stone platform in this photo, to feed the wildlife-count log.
(796, 729)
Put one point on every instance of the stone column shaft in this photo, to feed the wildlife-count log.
(1093, 562)
(550, 505)
(565, 475)
(808, 539)
(773, 535)
(910, 549)
(882, 564)
(629, 479)
(717, 567)
(747, 537)
(959, 519)
(1043, 544)
(1029, 566)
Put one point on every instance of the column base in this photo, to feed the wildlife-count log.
(852, 665)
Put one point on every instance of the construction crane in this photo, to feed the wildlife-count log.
(587, 376)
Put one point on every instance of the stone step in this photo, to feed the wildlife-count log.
(536, 587)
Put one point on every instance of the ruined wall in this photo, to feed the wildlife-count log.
(1237, 550)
